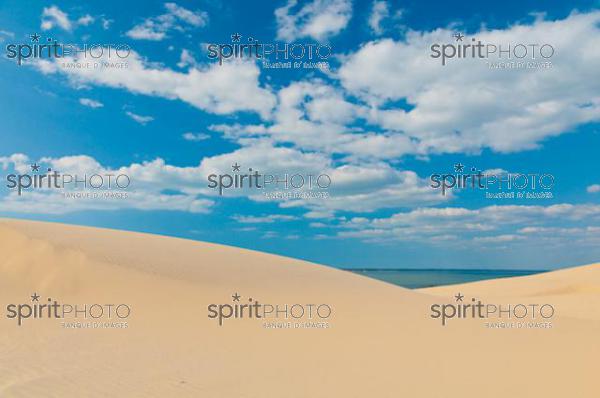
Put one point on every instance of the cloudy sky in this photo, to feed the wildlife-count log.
(379, 121)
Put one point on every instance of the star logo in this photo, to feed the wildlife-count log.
(236, 167)
(236, 37)
(459, 297)
(459, 167)
(35, 38)
(35, 167)
(35, 297)
(236, 297)
(459, 36)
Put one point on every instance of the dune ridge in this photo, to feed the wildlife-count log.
(380, 342)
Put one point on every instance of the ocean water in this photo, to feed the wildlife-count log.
(414, 279)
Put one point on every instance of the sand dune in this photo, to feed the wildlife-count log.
(380, 340)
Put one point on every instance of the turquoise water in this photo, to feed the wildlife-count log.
(414, 279)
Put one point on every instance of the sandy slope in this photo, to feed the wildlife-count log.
(381, 343)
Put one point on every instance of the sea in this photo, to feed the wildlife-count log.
(420, 278)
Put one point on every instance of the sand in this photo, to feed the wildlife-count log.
(380, 340)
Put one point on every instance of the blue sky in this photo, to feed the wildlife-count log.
(382, 119)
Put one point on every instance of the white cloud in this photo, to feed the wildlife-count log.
(220, 89)
(267, 219)
(379, 146)
(176, 18)
(90, 103)
(491, 224)
(196, 137)
(369, 187)
(354, 188)
(194, 18)
(53, 16)
(246, 229)
(143, 120)
(593, 188)
(314, 116)
(18, 161)
(559, 231)
(464, 106)
(498, 238)
(147, 31)
(106, 23)
(379, 12)
(309, 114)
(318, 19)
(4, 34)
(381, 16)
(264, 157)
(149, 181)
(444, 109)
(186, 59)
(85, 20)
